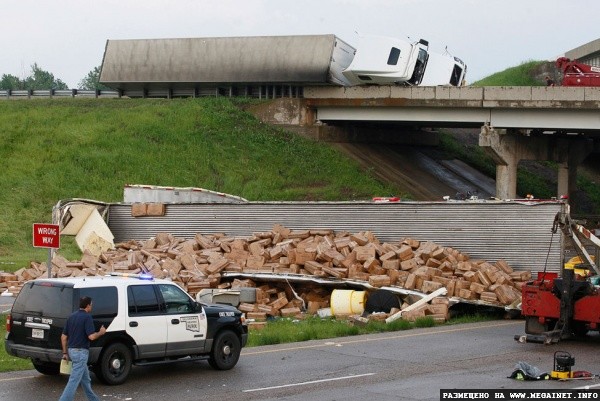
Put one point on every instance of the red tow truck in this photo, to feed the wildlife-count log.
(578, 74)
(563, 307)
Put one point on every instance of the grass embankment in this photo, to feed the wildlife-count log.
(8, 362)
(73, 148)
(520, 75)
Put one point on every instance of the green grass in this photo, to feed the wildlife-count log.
(285, 330)
(69, 148)
(9, 363)
(520, 75)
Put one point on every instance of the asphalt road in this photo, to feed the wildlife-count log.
(409, 365)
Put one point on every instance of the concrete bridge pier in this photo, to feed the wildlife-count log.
(576, 150)
(508, 147)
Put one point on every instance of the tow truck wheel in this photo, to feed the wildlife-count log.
(114, 364)
(226, 351)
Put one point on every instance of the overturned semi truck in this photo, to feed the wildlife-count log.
(268, 66)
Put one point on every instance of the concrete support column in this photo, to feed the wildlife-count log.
(508, 148)
(576, 150)
(506, 181)
(501, 147)
(563, 179)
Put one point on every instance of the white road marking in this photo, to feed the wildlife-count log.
(308, 382)
(10, 379)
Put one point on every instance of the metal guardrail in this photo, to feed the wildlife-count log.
(51, 93)
(254, 91)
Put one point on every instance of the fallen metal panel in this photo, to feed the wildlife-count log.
(155, 193)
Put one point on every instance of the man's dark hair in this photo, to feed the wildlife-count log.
(84, 302)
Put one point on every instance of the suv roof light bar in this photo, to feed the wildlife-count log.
(141, 276)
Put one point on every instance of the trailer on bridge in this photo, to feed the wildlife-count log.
(148, 67)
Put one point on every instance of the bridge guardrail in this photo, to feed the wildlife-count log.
(253, 91)
(50, 93)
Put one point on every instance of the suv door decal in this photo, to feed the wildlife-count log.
(192, 323)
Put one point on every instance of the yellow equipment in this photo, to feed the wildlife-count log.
(575, 263)
(563, 362)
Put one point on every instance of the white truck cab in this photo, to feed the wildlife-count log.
(382, 60)
(444, 69)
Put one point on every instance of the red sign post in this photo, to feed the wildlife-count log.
(46, 235)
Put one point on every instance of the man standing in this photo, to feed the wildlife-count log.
(76, 336)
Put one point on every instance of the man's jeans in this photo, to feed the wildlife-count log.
(80, 374)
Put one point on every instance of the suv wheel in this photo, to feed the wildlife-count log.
(47, 368)
(114, 365)
(226, 351)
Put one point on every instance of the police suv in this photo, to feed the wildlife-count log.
(147, 321)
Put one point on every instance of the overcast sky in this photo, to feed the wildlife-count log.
(67, 37)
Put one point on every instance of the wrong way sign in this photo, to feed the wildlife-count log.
(46, 235)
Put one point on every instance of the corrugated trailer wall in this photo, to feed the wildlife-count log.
(519, 233)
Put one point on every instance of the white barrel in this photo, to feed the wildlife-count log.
(347, 302)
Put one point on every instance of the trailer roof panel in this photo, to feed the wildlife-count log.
(254, 59)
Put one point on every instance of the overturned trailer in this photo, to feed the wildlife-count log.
(466, 238)
(518, 232)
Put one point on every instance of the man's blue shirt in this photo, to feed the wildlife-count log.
(78, 327)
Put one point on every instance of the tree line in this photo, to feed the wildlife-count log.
(40, 79)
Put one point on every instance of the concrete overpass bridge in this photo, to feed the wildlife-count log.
(560, 124)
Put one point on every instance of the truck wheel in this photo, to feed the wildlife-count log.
(225, 351)
(47, 368)
(114, 364)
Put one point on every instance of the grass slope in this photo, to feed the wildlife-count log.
(75, 148)
(520, 75)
